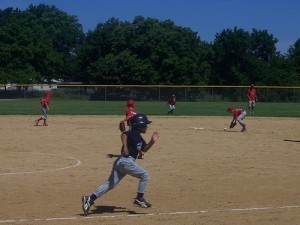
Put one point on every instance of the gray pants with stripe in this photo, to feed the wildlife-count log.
(123, 166)
(44, 113)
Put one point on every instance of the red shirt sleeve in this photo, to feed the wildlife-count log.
(172, 101)
(130, 113)
(251, 94)
(45, 101)
(237, 112)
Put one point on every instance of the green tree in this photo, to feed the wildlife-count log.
(232, 51)
(294, 56)
(263, 45)
(65, 35)
(241, 58)
(62, 29)
(146, 51)
(44, 43)
(37, 44)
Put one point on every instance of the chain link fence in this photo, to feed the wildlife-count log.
(151, 92)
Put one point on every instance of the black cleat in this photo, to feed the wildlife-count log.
(141, 203)
(86, 205)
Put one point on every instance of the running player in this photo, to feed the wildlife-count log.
(129, 113)
(238, 116)
(45, 107)
(132, 142)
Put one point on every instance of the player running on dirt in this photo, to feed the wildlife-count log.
(129, 113)
(132, 142)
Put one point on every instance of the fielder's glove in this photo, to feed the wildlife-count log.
(122, 126)
(232, 125)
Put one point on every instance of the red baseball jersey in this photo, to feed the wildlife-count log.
(45, 101)
(251, 93)
(130, 112)
(172, 101)
(237, 112)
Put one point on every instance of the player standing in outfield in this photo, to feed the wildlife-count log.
(238, 116)
(252, 97)
(45, 107)
(171, 103)
(129, 113)
(132, 142)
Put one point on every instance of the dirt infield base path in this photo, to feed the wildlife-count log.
(197, 176)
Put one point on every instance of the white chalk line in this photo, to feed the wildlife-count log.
(149, 214)
(78, 162)
(197, 128)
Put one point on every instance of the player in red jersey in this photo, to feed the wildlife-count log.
(238, 116)
(45, 107)
(171, 103)
(252, 97)
(129, 113)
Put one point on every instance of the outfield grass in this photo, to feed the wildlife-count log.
(83, 107)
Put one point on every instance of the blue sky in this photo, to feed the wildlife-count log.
(280, 18)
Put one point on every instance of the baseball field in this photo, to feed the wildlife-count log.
(197, 176)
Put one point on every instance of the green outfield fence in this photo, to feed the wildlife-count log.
(150, 92)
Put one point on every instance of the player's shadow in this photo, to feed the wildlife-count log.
(291, 140)
(110, 209)
(109, 155)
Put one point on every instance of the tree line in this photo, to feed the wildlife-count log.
(43, 43)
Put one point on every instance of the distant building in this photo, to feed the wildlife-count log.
(33, 87)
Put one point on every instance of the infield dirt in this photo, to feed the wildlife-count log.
(203, 176)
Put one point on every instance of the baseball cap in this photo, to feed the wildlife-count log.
(230, 108)
(130, 103)
(48, 93)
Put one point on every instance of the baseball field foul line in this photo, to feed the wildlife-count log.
(149, 214)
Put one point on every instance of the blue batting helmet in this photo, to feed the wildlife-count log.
(139, 121)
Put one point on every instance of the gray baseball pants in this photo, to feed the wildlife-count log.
(123, 166)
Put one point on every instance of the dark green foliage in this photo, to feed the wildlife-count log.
(37, 44)
(294, 61)
(242, 58)
(44, 43)
(146, 51)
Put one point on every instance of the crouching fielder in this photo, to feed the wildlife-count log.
(238, 116)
